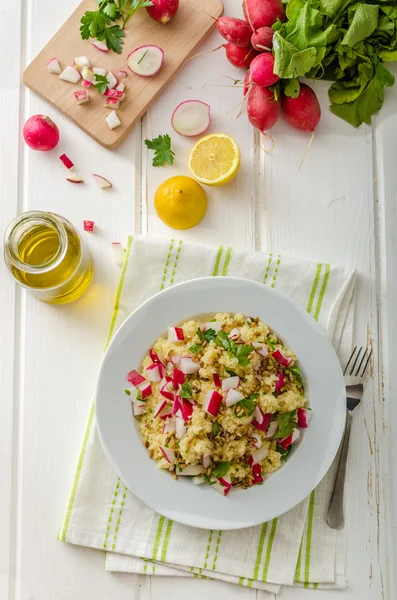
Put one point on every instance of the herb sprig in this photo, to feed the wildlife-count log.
(162, 148)
(240, 351)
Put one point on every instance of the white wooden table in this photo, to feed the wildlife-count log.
(338, 208)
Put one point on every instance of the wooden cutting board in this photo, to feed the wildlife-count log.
(179, 39)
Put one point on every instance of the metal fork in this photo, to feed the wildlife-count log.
(356, 367)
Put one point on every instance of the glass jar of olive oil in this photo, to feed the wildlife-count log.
(46, 254)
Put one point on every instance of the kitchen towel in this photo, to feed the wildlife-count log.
(298, 548)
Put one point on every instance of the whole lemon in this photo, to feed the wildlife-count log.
(180, 202)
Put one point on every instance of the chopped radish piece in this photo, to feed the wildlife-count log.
(99, 71)
(180, 428)
(281, 359)
(260, 454)
(123, 73)
(230, 383)
(258, 414)
(286, 442)
(112, 80)
(187, 409)
(223, 486)
(166, 393)
(119, 253)
(114, 94)
(80, 62)
(169, 368)
(260, 348)
(280, 382)
(53, 66)
(264, 423)
(257, 440)
(168, 454)
(135, 378)
(178, 377)
(197, 480)
(303, 417)
(234, 334)
(153, 354)
(177, 407)
(70, 74)
(233, 397)
(153, 372)
(85, 83)
(88, 225)
(74, 177)
(257, 474)
(217, 380)
(81, 96)
(145, 60)
(112, 103)
(191, 117)
(100, 45)
(159, 407)
(169, 426)
(120, 87)
(146, 389)
(190, 471)
(166, 382)
(212, 402)
(66, 161)
(112, 120)
(175, 359)
(205, 461)
(175, 334)
(188, 366)
(272, 429)
(138, 409)
(101, 181)
(87, 74)
(215, 325)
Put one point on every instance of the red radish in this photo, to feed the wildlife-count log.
(168, 454)
(303, 417)
(262, 39)
(163, 10)
(286, 442)
(74, 177)
(212, 402)
(175, 334)
(145, 389)
(135, 378)
(100, 45)
(215, 325)
(175, 359)
(239, 57)
(257, 474)
(281, 359)
(66, 161)
(101, 181)
(118, 252)
(154, 356)
(113, 94)
(303, 112)
(280, 382)
(272, 429)
(190, 471)
(180, 427)
(256, 440)
(87, 74)
(153, 372)
(53, 66)
(264, 423)
(188, 366)
(88, 225)
(159, 407)
(81, 96)
(169, 426)
(230, 383)
(233, 397)
(247, 83)
(263, 13)
(260, 348)
(123, 73)
(41, 133)
(177, 407)
(187, 410)
(70, 74)
(112, 80)
(205, 461)
(112, 120)
(80, 62)
(261, 70)
(138, 409)
(191, 117)
(197, 480)
(99, 71)
(145, 60)
(178, 377)
(234, 30)
(85, 83)
(263, 109)
(234, 334)
(112, 103)
(217, 380)
(120, 87)
(258, 415)
(223, 486)
(260, 454)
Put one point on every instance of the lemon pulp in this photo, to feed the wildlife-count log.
(214, 159)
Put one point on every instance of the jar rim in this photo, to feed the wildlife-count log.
(48, 218)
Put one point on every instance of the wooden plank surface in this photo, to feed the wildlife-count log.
(178, 39)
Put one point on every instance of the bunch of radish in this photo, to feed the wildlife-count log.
(249, 46)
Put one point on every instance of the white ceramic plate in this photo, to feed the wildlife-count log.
(181, 500)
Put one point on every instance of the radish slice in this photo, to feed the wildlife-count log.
(70, 74)
(112, 80)
(66, 161)
(88, 225)
(264, 423)
(138, 409)
(256, 440)
(234, 334)
(146, 389)
(191, 117)
(85, 83)
(190, 471)
(303, 417)
(99, 71)
(197, 480)
(112, 103)
(178, 378)
(53, 66)
(230, 383)
(74, 177)
(159, 407)
(217, 380)
(257, 474)
(152, 352)
(272, 429)
(223, 486)
(168, 454)
(215, 325)
(81, 96)
(187, 410)
(205, 461)
(177, 407)
(260, 348)
(101, 181)
(153, 373)
(281, 359)
(81, 61)
(260, 454)
(135, 378)
(118, 252)
(180, 429)
(280, 382)
(100, 45)
(175, 359)
(169, 426)
(87, 74)
(286, 442)
(145, 60)
(175, 334)
(120, 87)
(188, 366)
(123, 73)
(112, 120)
(212, 402)
(233, 397)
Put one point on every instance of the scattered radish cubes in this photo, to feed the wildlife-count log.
(191, 117)
(41, 133)
(145, 60)
(80, 62)
(112, 103)
(53, 66)
(163, 10)
(70, 74)
(81, 96)
(88, 225)
(102, 182)
(74, 177)
(123, 73)
(112, 120)
(99, 71)
(66, 161)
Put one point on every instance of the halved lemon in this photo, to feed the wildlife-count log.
(214, 159)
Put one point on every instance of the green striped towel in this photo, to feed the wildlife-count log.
(298, 548)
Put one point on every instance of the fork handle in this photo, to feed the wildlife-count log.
(335, 517)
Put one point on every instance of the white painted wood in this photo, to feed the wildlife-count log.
(328, 211)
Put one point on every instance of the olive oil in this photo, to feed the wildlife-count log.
(46, 254)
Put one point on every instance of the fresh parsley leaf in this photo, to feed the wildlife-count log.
(208, 480)
(139, 396)
(128, 392)
(113, 37)
(242, 354)
(196, 348)
(212, 321)
(246, 406)
(221, 469)
(208, 335)
(92, 23)
(101, 83)
(296, 372)
(283, 451)
(223, 340)
(215, 428)
(109, 8)
(231, 373)
(271, 344)
(186, 390)
(286, 424)
(240, 351)
(162, 150)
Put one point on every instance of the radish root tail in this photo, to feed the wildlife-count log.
(203, 11)
(239, 106)
(248, 15)
(307, 150)
(201, 53)
(271, 140)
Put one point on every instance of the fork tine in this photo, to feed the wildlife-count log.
(350, 359)
(367, 363)
(355, 362)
